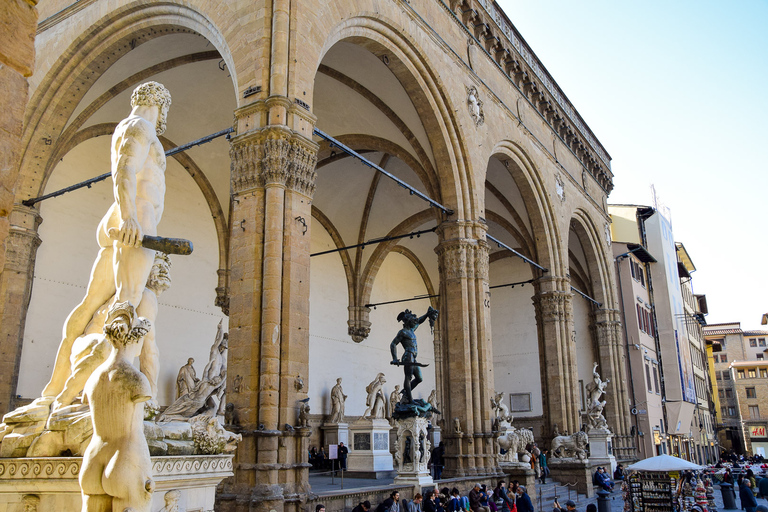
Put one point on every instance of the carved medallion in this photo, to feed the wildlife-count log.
(560, 187)
(475, 106)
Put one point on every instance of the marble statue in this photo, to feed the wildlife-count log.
(337, 403)
(186, 379)
(457, 426)
(568, 447)
(171, 499)
(503, 417)
(207, 395)
(376, 401)
(304, 413)
(514, 442)
(117, 471)
(237, 384)
(209, 436)
(432, 400)
(91, 349)
(394, 398)
(123, 265)
(595, 389)
(407, 338)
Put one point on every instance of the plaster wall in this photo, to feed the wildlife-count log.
(515, 338)
(333, 354)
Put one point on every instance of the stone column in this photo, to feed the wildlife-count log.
(273, 180)
(606, 324)
(15, 292)
(467, 379)
(557, 353)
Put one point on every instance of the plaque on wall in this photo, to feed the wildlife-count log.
(362, 441)
(381, 441)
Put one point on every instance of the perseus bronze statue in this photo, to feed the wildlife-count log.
(407, 338)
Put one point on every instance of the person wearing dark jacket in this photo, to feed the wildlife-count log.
(523, 501)
(430, 504)
(748, 501)
(363, 506)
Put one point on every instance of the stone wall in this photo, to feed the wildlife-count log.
(17, 61)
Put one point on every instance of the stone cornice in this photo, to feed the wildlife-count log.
(541, 93)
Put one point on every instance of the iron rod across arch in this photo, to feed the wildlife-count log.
(102, 177)
(355, 154)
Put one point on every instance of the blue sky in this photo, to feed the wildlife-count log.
(677, 92)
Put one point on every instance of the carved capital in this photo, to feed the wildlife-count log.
(553, 306)
(452, 259)
(244, 164)
(482, 261)
(277, 158)
(21, 245)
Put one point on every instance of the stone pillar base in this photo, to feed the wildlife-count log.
(570, 471)
(335, 433)
(369, 455)
(413, 451)
(524, 475)
(54, 481)
(601, 451)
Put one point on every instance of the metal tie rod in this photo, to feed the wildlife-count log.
(590, 299)
(372, 165)
(505, 246)
(102, 177)
(377, 241)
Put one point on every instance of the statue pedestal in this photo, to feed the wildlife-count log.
(54, 481)
(413, 451)
(573, 470)
(335, 433)
(369, 455)
(523, 473)
(601, 450)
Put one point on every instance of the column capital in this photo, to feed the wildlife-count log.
(23, 238)
(273, 156)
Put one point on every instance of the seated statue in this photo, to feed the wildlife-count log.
(207, 395)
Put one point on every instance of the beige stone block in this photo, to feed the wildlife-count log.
(18, 23)
(16, 445)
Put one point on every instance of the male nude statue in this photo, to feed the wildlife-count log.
(407, 338)
(91, 349)
(117, 471)
(123, 265)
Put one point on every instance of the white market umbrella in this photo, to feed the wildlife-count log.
(663, 463)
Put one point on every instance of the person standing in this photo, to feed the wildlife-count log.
(544, 467)
(437, 460)
(748, 501)
(343, 451)
(503, 503)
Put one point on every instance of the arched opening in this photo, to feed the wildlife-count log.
(196, 200)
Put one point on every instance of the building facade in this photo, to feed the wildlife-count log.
(670, 389)
(737, 355)
(447, 97)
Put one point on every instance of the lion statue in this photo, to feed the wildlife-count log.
(514, 442)
(570, 446)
